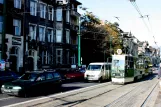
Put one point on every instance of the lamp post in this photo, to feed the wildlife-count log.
(79, 43)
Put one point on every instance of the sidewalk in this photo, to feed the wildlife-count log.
(158, 99)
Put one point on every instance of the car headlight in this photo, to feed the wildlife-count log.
(17, 88)
(2, 86)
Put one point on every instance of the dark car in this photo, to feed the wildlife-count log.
(62, 72)
(33, 82)
(74, 75)
(7, 76)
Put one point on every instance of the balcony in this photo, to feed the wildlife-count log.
(75, 13)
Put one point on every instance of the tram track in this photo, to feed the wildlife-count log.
(75, 98)
(107, 92)
(61, 98)
(145, 101)
(83, 100)
(131, 96)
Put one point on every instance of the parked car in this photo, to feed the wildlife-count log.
(74, 75)
(33, 82)
(7, 76)
(62, 72)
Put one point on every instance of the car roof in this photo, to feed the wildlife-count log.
(40, 71)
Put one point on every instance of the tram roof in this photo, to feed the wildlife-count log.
(99, 63)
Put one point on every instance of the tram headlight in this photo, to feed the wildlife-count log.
(113, 74)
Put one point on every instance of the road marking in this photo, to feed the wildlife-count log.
(6, 98)
(77, 90)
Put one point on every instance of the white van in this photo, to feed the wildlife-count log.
(98, 72)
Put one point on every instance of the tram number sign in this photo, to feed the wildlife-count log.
(119, 51)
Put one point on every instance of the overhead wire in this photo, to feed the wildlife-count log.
(151, 28)
(142, 17)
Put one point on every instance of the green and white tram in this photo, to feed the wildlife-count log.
(126, 68)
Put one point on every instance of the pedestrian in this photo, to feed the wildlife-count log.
(159, 71)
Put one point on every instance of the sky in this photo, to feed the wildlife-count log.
(129, 18)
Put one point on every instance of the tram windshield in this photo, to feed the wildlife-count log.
(118, 65)
(94, 67)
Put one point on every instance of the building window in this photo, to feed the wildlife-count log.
(67, 56)
(45, 57)
(59, 54)
(32, 31)
(50, 35)
(73, 59)
(1, 1)
(50, 13)
(59, 14)
(42, 34)
(17, 4)
(67, 16)
(1, 24)
(73, 7)
(59, 36)
(42, 10)
(17, 27)
(33, 7)
(68, 36)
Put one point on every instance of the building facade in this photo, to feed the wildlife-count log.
(13, 32)
(43, 33)
(130, 44)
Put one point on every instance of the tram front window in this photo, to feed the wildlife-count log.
(94, 67)
(118, 65)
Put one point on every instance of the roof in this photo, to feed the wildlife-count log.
(99, 63)
(77, 2)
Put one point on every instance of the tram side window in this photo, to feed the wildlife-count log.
(126, 58)
(131, 65)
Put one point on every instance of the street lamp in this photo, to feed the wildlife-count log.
(79, 43)
(79, 39)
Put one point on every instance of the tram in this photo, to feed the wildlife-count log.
(127, 68)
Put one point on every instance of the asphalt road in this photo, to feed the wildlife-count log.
(7, 100)
(136, 94)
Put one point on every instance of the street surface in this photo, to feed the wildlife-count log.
(139, 94)
(7, 100)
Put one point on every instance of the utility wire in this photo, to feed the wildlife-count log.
(138, 10)
(151, 28)
(142, 17)
(145, 23)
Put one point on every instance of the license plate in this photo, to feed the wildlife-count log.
(7, 90)
(90, 78)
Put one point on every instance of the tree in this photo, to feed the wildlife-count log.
(96, 38)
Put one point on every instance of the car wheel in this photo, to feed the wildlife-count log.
(100, 80)
(86, 81)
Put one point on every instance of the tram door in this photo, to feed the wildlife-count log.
(129, 66)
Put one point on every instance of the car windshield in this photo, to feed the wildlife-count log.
(94, 67)
(29, 76)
